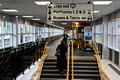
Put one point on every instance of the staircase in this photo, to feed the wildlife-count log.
(84, 69)
(50, 71)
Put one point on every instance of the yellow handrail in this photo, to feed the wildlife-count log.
(41, 63)
(72, 63)
(98, 60)
(2, 61)
(8, 58)
(42, 67)
(68, 62)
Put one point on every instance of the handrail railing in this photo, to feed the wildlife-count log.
(41, 63)
(6, 61)
(72, 63)
(98, 61)
(68, 62)
(21, 52)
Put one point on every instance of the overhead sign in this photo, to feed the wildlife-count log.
(70, 12)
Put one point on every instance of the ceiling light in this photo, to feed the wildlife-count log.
(42, 2)
(96, 11)
(0, 4)
(64, 23)
(27, 16)
(102, 2)
(75, 22)
(36, 19)
(9, 10)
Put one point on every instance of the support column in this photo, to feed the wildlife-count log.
(105, 38)
(72, 32)
(44, 31)
(77, 33)
(16, 31)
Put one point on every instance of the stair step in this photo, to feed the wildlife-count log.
(8, 78)
(81, 64)
(85, 61)
(53, 76)
(75, 67)
(51, 79)
(65, 79)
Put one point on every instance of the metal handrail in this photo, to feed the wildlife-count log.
(8, 58)
(72, 63)
(41, 63)
(69, 61)
(98, 61)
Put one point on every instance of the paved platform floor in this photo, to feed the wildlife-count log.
(109, 71)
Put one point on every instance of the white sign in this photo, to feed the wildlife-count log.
(70, 12)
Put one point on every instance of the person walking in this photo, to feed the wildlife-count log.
(61, 60)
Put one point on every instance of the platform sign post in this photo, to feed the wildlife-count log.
(70, 12)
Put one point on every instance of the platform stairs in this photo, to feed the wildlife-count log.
(78, 68)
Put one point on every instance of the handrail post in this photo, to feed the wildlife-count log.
(29, 54)
(34, 49)
(4, 64)
(37, 55)
(15, 63)
(23, 56)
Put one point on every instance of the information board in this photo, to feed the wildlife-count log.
(70, 12)
(88, 33)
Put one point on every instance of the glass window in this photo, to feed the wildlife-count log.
(0, 41)
(26, 29)
(99, 33)
(29, 37)
(118, 27)
(7, 40)
(110, 27)
(110, 41)
(7, 27)
(0, 26)
(26, 38)
(30, 29)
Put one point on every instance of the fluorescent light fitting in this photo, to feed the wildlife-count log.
(10, 10)
(75, 22)
(64, 23)
(27, 16)
(96, 11)
(36, 19)
(42, 2)
(102, 2)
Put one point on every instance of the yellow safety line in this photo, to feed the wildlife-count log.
(98, 60)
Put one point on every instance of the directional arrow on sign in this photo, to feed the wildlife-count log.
(49, 18)
(49, 7)
(49, 12)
